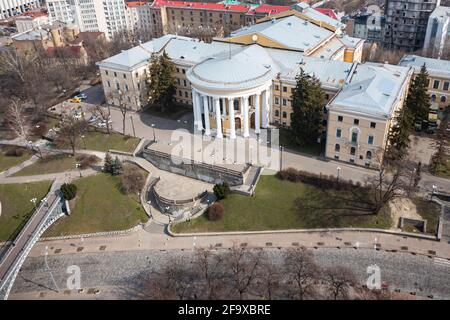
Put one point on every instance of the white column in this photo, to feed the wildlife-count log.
(257, 125)
(265, 111)
(206, 112)
(231, 118)
(224, 110)
(244, 101)
(195, 108)
(218, 119)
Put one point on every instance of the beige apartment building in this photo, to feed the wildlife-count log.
(242, 84)
(438, 75)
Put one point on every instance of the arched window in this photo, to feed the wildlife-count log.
(352, 151)
(277, 113)
(433, 97)
(443, 99)
(369, 154)
(337, 147)
(284, 114)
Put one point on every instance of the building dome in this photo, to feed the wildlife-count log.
(233, 72)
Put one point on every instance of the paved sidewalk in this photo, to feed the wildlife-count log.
(141, 239)
(20, 166)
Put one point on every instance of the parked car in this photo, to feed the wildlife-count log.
(93, 119)
(75, 100)
(81, 96)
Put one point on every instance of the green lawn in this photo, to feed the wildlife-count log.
(52, 164)
(281, 204)
(429, 211)
(7, 162)
(99, 206)
(444, 170)
(313, 149)
(175, 113)
(16, 205)
(103, 142)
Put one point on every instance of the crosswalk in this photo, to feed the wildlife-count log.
(442, 262)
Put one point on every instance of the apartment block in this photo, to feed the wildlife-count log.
(10, 8)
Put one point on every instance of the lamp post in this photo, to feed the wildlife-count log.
(281, 157)
(34, 201)
(154, 134)
(132, 125)
(78, 166)
(338, 171)
(84, 141)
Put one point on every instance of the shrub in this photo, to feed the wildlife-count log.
(216, 212)
(39, 129)
(221, 190)
(132, 179)
(108, 163)
(320, 181)
(15, 152)
(87, 161)
(69, 191)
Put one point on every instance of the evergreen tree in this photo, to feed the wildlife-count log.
(117, 167)
(161, 82)
(418, 100)
(108, 163)
(442, 136)
(308, 100)
(399, 135)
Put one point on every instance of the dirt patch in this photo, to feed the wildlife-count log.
(402, 207)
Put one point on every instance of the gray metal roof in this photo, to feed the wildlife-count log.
(437, 67)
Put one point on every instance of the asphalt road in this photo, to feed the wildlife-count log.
(119, 275)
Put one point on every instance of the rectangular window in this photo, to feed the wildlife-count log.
(356, 122)
(184, 83)
(184, 71)
(373, 125)
(124, 76)
(446, 85)
(284, 89)
(338, 133)
(284, 102)
(126, 87)
(277, 87)
(340, 118)
(354, 137)
(109, 84)
(436, 84)
(115, 74)
(106, 72)
(370, 140)
(277, 101)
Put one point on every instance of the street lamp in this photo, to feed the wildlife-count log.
(78, 166)
(281, 157)
(34, 200)
(154, 135)
(84, 141)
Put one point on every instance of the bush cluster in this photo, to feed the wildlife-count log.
(221, 190)
(15, 152)
(216, 212)
(69, 191)
(320, 181)
(87, 161)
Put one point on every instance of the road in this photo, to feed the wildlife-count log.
(121, 275)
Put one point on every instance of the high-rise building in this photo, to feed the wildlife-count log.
(107, 16)
(406, 23)
(9, 8)
(437, 38)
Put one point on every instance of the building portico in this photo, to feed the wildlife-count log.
(230, 93)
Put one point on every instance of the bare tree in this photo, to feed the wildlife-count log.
(17, 119)
(104, 113)
(124, 102)
(243, 266)
(269, 282)
(209, 267)
(301, 271)
(339, 280)
(132, 179)
(14, 63)
(70, 133)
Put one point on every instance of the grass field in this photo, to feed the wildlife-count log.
(281, 204)
(312, 149)
(52, 164)
(99, 206)
(103, 142)
(7, 162)
(16, 205)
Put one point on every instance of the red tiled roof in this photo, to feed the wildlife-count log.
(266, 8)
(328, 12)
(70, 51)
(201, 5)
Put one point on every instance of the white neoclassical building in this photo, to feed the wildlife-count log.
(231, 92)
(242, 84)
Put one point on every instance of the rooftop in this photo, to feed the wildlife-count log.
(436, 67)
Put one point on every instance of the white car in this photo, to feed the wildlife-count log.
(93, 119)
